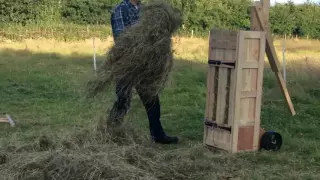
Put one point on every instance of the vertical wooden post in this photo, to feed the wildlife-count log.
(264, 7)
(284, 58)
(94, 55)
(260, 22)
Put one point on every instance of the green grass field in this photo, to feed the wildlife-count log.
(41, 86)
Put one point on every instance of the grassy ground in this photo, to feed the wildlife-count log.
(55, 138)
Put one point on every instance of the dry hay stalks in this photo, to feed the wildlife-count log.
(142, 55)
(84, 157)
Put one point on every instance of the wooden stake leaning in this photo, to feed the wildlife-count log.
(7, 119)
(259, 21)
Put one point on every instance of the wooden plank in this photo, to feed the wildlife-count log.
(248, 94)
(264, 7)
(223, 35)
(250, 65)
(209, 99)
(238, 77)
(251, 34)
(4, 120)
(217, 54)
(266, 11)
(222, 95)
(259, 86)
(274, 62)
(8, 119)
(223, 44)
(210, 81)
(219, 138)
(245, 138)
(247, 109)
(231, 97)
(246, 123)
(254, 25)
(270, 49)
(212, 93)
(230, 55)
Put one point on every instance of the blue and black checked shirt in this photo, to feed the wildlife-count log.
(124, 15)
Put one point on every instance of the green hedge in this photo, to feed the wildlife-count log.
(86, 11)
(199, 15)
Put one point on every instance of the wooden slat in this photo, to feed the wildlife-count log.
(209, 100)
(7, 120)
(274, 62)
(217, 54)
(246, 123)
(254, 20)
(222, 95)
(266, 12)
(223, 44)
(238, 77)
(257, 113)
(223, 34)
(209, 91)
(212, 93)
(219, 138)
(251, 65)
(264, 7)
(232, 97)
(230, 55)
(4, 120)
(248, 94)
(251, 34)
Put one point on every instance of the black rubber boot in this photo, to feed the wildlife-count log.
(156, 131)
(166, 140)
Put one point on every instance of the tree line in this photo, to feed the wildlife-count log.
(199, 16)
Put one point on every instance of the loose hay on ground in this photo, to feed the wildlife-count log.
(93, 158)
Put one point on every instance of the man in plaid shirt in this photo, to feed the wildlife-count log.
(125, 15)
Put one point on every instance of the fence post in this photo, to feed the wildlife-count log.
(284, 57)
(94, 56)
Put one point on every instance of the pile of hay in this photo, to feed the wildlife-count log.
(142, 55)
(96, 157)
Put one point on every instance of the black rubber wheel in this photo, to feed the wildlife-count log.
(271, 141)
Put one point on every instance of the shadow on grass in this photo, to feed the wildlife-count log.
(44, 91)
(41, 89)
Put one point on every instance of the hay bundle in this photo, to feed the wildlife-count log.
(142, 55)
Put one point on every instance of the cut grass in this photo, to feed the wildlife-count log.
(55, 137)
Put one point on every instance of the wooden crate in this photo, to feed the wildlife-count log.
(234, 90)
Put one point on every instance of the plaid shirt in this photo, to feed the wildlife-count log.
(123, 16)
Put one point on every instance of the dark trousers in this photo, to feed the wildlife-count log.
(151, 104)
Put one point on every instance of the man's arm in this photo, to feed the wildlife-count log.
(118, 20)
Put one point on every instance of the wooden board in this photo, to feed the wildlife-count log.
(222, 45)
(222, 96)
(222, 48)
(248, 91)
(7, 119)
(219, 138)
